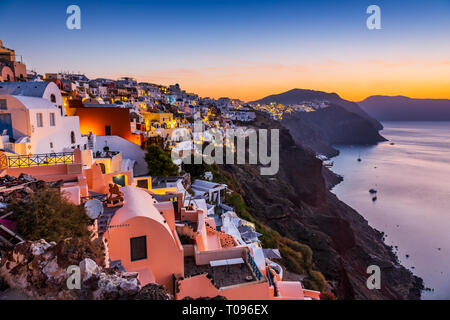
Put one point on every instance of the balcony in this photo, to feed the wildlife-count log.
(40, 159)
(105, 154)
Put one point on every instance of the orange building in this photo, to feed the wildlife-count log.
(107, 121)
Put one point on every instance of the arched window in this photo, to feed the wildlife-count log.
(72, 137)
(53, 98)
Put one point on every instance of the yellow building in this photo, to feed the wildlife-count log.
(159, 120)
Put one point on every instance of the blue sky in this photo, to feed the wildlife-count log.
(214, 47)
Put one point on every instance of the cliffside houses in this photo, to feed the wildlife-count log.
(11, 69)
(32, 120)
(87, 134)
(192, 257)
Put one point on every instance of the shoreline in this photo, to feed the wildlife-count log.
(419, 285)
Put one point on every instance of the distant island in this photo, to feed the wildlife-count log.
(401, 108)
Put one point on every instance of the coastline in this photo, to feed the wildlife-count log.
(418, 283)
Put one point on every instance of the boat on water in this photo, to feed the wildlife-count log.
(328, 164)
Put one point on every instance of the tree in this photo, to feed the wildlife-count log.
(159, 162)
(196, 171)
(47, 214)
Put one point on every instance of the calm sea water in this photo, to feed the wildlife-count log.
(412, 179)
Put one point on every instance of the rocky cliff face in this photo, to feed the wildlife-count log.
(323, 128)
(297, 203)
(38, 270)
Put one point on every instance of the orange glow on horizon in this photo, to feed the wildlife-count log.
(353, 81)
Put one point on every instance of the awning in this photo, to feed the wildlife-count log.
(272, 253)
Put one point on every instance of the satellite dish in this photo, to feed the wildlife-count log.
(94, 208)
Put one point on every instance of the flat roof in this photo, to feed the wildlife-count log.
(222, 275)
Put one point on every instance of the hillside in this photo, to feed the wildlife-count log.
(296, 96)
(400, 108)
(296, 203)
(323, 128)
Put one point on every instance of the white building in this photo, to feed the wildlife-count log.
(32, 125)
(44, 90)
(212, 192)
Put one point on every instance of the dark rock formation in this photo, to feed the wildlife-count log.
(321, 129)
(153, 291)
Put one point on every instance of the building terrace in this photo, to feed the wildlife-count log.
(221, 275)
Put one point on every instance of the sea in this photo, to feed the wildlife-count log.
(411, 176)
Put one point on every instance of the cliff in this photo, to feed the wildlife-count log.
(321, 129)
(296, 202)
(296, 96)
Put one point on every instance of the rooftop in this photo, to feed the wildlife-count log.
(30, 89)
(222, 276)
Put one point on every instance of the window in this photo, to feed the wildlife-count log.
(3, 104)
(72, 137)
(39, 122)
(107, 130)
(142, 184)
(52, 119)
(51, 144)
(138, 248)
(53, 98)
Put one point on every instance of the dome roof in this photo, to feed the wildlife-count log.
(137, 203)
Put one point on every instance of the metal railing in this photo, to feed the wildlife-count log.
(254, 267)
(45, 159)
(105, 154)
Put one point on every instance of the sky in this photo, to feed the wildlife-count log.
(242, 49)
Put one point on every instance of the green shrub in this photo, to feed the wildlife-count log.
(47, 214)
(315, 281)
(159, 162)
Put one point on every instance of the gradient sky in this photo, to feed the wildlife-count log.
(242, 49)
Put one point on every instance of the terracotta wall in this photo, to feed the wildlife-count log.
(94, 119)
(164, 257)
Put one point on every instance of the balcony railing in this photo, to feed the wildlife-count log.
(254, 267)
(105, 154)
(45, 159)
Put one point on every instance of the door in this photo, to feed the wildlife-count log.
(107, 130)
(6, 124)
